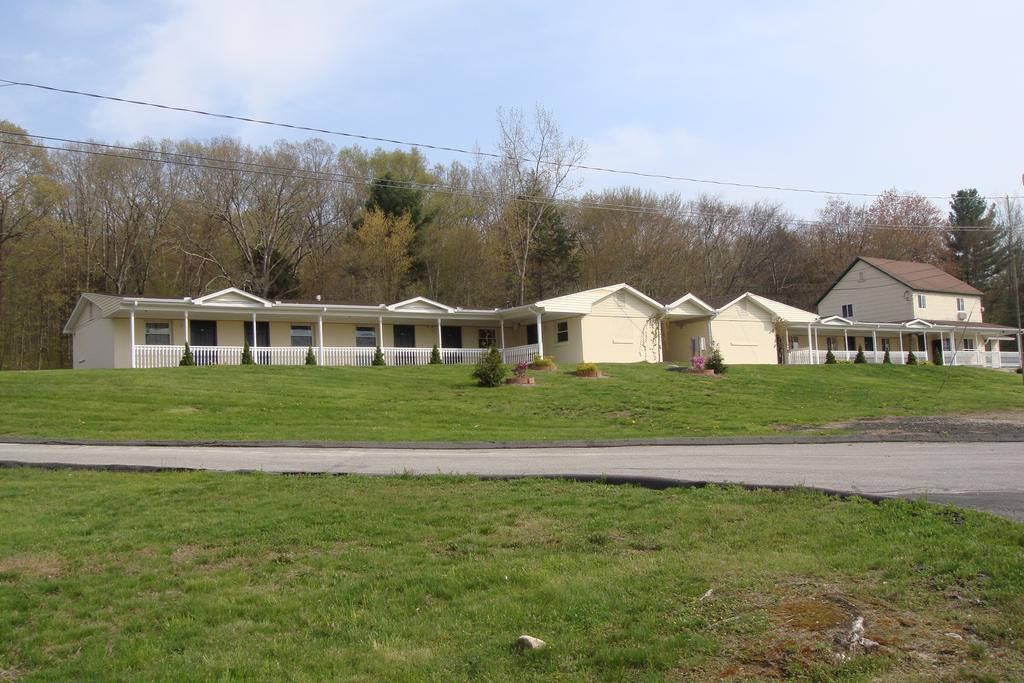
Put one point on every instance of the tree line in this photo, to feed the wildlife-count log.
(293, 220)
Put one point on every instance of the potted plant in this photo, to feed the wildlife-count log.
(698, 366)
(587, 370)
(543, 364)
(519, 375)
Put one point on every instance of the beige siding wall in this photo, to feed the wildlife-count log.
(875, 296)
(679, 336)
(92, 345)
(620, 339)
(122, 343)
(515, 335)
(568, 352)
(943, 307)
(745, 334)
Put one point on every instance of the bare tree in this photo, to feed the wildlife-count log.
(535, 169)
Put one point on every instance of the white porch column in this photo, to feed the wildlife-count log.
(902, 359)
(502, 333)
(540, 338)
(924, 335)
(131, 331)
(810, 344)
(816, 342)
(255, 341)
(186, 327)
(785, 354)
(440, 343)
(846, 343)
(874, 343)
(952, 347)
(380, 331)
(320, 338)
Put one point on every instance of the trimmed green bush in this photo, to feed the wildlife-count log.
(911, 359)
(187, 359)
(715, 361)
(310, 356)
(859, 359)
(378, 357)
(246, 354)
(435, 355)
(586, 367)
(886, 360)
(490, 371)
(830, 358)
(542, 363)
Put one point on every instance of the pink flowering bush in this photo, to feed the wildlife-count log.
(521, 368)
(697, 363)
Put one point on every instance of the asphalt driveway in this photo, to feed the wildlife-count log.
(987, 476)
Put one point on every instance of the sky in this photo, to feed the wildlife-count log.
(854, 97)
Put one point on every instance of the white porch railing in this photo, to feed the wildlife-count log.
(981, 359)
(164, 356)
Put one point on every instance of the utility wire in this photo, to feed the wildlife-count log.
(218, 164)
(445, 148)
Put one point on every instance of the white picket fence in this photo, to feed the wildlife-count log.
(165, 356)
(977, 358)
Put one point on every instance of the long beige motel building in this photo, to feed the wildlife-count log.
(876, 305)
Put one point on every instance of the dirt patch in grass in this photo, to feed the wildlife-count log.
(34, 565)
(989, 425)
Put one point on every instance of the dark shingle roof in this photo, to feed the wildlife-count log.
(921, 276)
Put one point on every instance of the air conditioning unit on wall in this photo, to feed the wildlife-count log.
(961, 316)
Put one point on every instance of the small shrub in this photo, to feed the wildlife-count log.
(830, 358)
(886, 360)
(911, 359)
(715, 361)
(939, 360)
(246, 354)
(187, 359)
(542, 363)
(697, 363)
(490, 371)
(859, 359)
(435, 355)
(521, 368)
(310, 356)
(586, 367)
(378, 357)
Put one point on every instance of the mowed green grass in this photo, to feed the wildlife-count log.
(434, 403)
(203, 576)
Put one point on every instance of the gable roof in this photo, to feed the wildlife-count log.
(923, 277)
(581, 302)
(691, 299)
(231, 296)
(107, 304)
(785, 312)
(420, 303)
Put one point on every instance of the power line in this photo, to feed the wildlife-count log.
(217, 164)
(446, 148)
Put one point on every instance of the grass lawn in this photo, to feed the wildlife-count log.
(201, 576)
(441, 402)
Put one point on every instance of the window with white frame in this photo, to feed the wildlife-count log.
(968, 344)
(366, 337)
(562, 331)
(158, 333)
(848, 311)
(922, 302)
(302, 335)
(961, 305)
(488, 337)
(946, 344)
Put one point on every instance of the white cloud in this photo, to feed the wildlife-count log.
(235, 56)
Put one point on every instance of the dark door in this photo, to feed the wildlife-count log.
(260, 354)
(262, 333)
(869, 344)
(937, 351)
(405, 336)
(451, 337)
(203, 333)
(531, 334)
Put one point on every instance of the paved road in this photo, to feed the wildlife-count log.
(987, 476)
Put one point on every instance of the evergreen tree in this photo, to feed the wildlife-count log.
(976, 253)
(911, 359)
(378, 357)
(187, 359)
(246, 353)
(435, 356)
(886, 360)
(859, 358)
(830, 358)
(310, 356)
